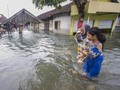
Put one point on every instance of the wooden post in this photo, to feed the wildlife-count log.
(20, 29)
(38, 27)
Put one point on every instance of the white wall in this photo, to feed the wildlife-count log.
(65, 22)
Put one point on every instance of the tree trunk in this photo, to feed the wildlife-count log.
(80, 7)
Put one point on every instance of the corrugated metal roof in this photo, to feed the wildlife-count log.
(66, 8)
(23, 16)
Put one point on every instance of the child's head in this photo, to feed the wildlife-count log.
(95, 34)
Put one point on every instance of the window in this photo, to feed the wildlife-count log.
(57, 25)
(105, 24)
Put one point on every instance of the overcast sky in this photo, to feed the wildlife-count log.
(10, 7)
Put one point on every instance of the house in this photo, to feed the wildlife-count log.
(22, 19)
(98, 13)
(57, 20)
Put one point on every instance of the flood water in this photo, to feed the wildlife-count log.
(42, 61)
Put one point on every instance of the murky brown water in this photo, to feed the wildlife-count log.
(40, 61)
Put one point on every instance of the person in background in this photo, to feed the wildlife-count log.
(93, 62)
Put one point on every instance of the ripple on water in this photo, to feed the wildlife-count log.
(40, 61)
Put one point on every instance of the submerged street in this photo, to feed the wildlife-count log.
(42, 61)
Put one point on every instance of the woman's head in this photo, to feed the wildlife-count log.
(84, 29)
(94, 33)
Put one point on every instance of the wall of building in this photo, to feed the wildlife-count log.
(65, 22)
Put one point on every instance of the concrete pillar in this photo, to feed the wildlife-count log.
(72, 26)
(114, 23)
(96, 23)
(88, 20)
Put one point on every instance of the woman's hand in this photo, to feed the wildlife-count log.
(81, 55)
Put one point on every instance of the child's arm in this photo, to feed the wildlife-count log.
(80, 56)
(95, 52)
(83, 54)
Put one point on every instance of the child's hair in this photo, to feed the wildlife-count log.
(96, 31)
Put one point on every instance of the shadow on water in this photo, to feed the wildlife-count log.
(42, 61)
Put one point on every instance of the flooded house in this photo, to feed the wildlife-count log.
(98, 13)
(57, 20)
(23, 20)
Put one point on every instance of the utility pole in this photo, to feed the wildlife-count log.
(8, 10)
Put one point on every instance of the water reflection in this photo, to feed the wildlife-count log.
(40, 61)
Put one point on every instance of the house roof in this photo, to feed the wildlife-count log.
(23, 16)
(66, 8)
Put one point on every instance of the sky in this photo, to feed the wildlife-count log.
(10, 7)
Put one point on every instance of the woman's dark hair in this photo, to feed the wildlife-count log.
(96, 31)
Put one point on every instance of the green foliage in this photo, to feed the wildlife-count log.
(41, 3)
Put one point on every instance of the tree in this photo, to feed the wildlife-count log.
(56, 3)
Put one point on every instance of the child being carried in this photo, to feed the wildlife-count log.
(84, 51)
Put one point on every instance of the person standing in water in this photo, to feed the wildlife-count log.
(80, 38)
(93, 62)
(82, 41)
